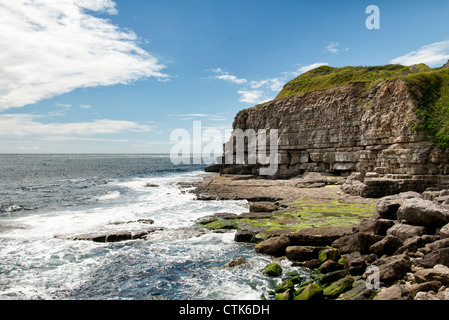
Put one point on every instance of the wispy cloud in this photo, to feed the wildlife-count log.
(53, 47)
(309, 67)
(190, 116)
(434, 54)
(23, 125)
(224, 75)
(334, 48)
(266, 88)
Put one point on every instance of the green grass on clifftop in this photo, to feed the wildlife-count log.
(326, 77)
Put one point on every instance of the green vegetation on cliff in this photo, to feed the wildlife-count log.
(431, 91)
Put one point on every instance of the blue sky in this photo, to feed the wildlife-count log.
(108, 76)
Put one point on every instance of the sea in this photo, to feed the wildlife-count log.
(47, 199)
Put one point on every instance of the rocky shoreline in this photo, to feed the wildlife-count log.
(393, 248)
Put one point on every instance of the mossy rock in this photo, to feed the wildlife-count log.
(286, 295)
(338, 287)
(284, 286)
(273, 270)
(311, 291)
(329, 254)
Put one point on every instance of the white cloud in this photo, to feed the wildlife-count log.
(251, 96)
(333, 47)
(52, 47)
(23, 125)
(85, 106)
(309, 67)
(435, 54)
(223, 75)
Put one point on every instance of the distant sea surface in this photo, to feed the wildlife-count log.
(47, 199)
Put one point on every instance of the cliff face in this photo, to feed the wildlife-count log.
(349, 129)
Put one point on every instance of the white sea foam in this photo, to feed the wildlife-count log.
(39, 263)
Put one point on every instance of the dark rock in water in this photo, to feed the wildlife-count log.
(213, 168)
(116, 236)
(151, 185)
(235, 262)
(144, 221)
(215, 217)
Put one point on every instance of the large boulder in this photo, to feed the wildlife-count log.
(263, 207)
(356, 242)
(302, 253)
(440, 256)
(394, 267)
(387, 245)
(395, 292)
(273, 246)
(444, 231)
(338, 287)
(405, 231)
(423, 213)
(310, 292)
(375, 225)
(272, 270)
(437, 273)
(387, 207)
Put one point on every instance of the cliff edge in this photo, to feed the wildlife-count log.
(385, 128)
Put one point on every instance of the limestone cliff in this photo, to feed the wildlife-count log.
(369, 130)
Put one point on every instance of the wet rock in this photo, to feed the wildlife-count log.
(235, 262)
(284, 286)
(151, 185)
(116, 236)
